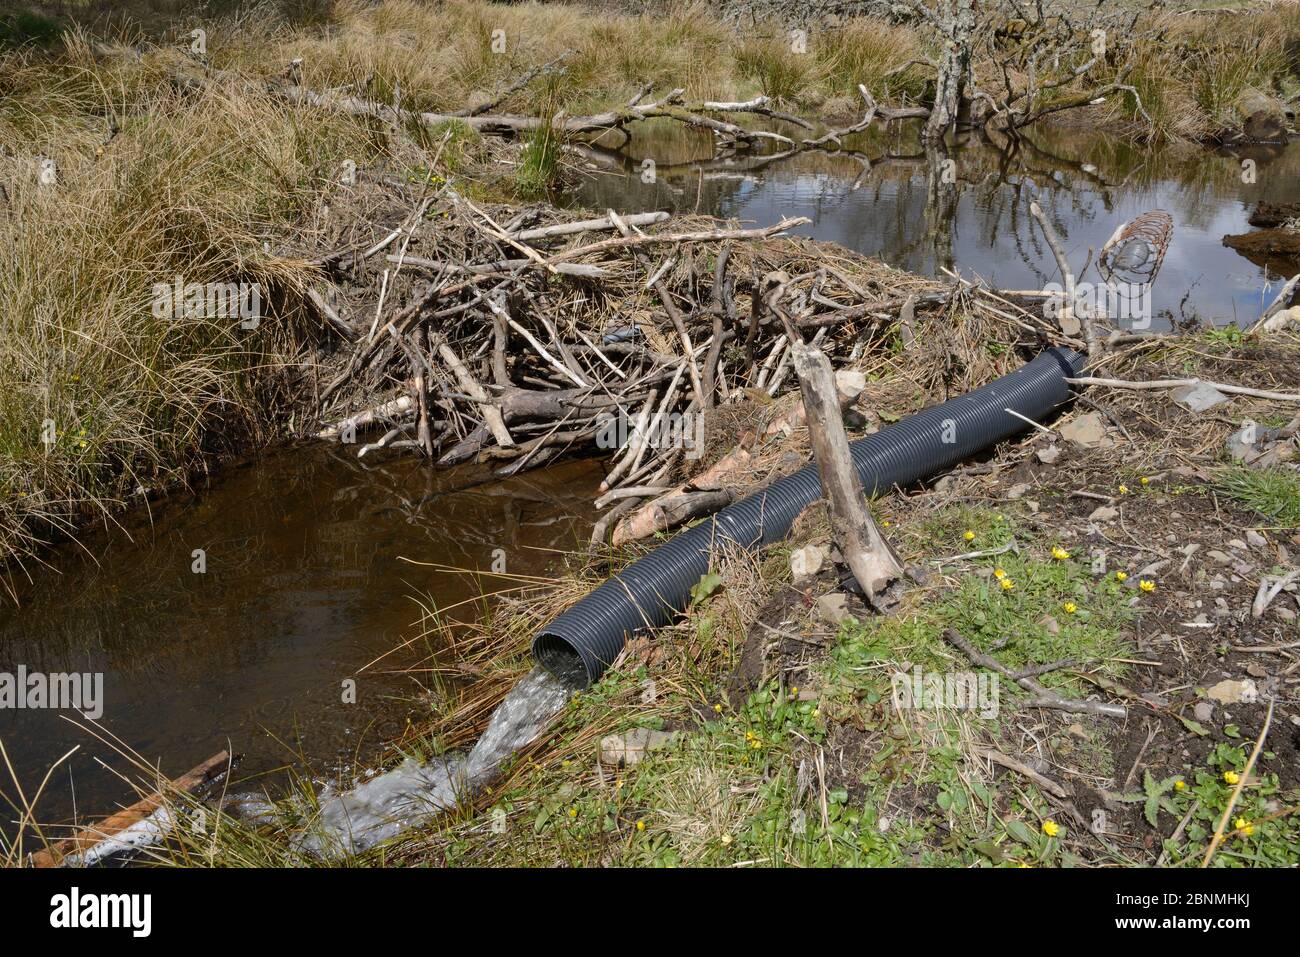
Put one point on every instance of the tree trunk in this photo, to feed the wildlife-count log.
(957, 24)
(865, 550)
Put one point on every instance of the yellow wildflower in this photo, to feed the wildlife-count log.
(1070, 607)
(1147, 585)
(969, 535)
(1123, 490)
(640, 825)
(1144, 480)
(1051, 828)
(1008, 584)
(717, 709)
(1059, 553)
(1244, 826)
(999, 574)
(1180, 785)
(1121, 576)
(1231, 777)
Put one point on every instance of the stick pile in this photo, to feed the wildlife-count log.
(514, 336)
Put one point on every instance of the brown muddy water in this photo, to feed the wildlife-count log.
(874, 197)
(310, 577)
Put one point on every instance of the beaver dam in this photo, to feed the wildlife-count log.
(522, 321)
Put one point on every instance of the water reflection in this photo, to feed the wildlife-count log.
(884, 196)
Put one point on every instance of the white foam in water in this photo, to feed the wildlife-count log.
(388, 804)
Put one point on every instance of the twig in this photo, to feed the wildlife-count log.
(1241, 783)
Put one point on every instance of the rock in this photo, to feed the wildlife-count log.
(1266, 242)
(1238, 544)
(1263, 126)
(849, 384)
(834, 608)
(1229, 691)
(807, 561)
(1052, 626)
(1268, 214)
(1256, 540)
(1261, 117)
(1076, 730)
(1106, 513)
(1256, 670)
(1241, 443)
(1087, 430)
(1019, 490)
(629, 749)
(1286, 614)
(1204, 711)
(1049, 455)
(1223, 558)
(1198, 398)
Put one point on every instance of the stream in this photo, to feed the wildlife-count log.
(312, 557)
(310, 577)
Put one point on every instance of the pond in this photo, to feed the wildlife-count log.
(871, 196)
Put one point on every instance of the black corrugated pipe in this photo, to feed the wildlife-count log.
(650, 591)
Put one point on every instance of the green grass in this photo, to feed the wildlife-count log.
(1272, 492)
(728, 790)
(25, 27)
(739, 785)
(539, 164)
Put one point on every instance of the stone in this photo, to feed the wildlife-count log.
(1241, 443)
(1203, 711)
(1106, 513)
(807, 561)
(1049, 455)
(1262, 117)
(1256, 540)
(834, 608)
(1087, 430)
(1019, 490)
(1199, 397)
(630, 748)
(1229, 691)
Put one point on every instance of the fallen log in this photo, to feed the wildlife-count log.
(84, 842)
(865, 550)
(685, 501)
